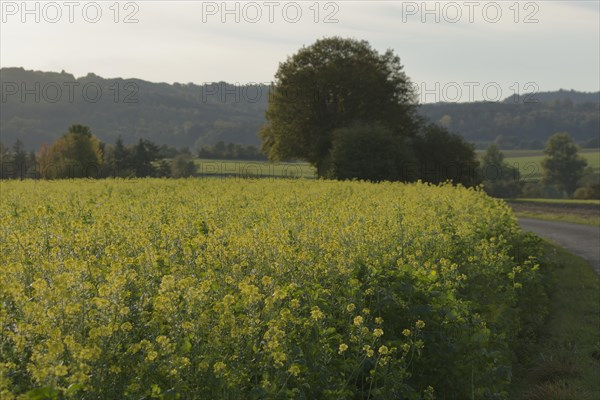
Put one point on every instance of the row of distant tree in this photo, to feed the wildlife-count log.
(565, 173)
(79, 153)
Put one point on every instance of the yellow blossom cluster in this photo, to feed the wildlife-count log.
(276, 289)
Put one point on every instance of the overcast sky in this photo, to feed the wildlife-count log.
(473, 50)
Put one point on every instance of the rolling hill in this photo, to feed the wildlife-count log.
(37, 107)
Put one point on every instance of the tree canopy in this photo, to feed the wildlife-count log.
(351, 112)
(334, 83)
(499, 178)
(563, 166)
(370, 152)
(76, 154)
(444, 156)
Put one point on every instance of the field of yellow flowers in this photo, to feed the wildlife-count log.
(252, 289)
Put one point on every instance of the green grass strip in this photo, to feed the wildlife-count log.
(565, 362)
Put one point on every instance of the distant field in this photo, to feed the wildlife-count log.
(254, 169)
(529, 162)
(535, 153)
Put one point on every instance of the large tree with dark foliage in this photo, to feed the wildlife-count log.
(370, 152)
(444, 156)
(351, 112)
(335, 83)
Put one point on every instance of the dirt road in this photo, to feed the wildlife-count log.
(582, 240)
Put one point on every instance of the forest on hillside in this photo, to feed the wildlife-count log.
(37, 107)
